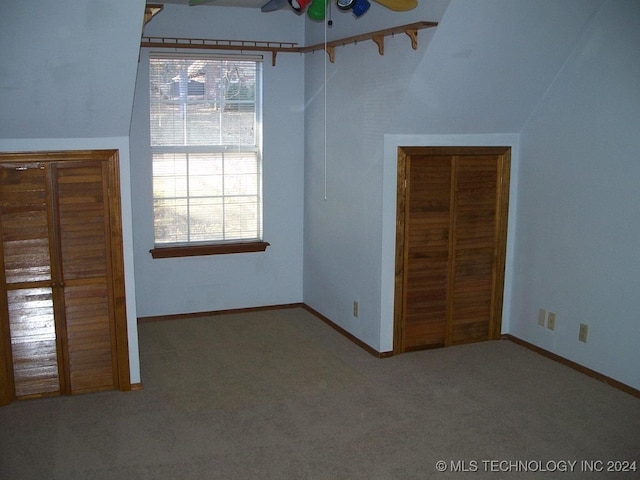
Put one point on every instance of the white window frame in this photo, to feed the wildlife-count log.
(222, 153)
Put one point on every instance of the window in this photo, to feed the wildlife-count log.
(205, 117)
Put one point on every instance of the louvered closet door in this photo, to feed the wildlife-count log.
(83, 223)
(451, 240)
(63, 326)
(27, 279)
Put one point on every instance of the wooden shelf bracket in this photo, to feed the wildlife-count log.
(331, 51)
(379, 39)
(413, 35)
(151, 10)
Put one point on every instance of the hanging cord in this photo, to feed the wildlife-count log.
(325, 105)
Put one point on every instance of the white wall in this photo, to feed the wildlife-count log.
(219, 282)
(489, 64)
(67, 68)
(579, 216)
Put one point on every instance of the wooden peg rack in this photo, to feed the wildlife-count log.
(378, 37)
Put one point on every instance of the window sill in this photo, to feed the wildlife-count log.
(213, 249)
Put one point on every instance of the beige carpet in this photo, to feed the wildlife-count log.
(280, 395)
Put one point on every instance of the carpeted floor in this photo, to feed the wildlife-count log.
(280, 395)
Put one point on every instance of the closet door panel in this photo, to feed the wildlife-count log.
(471, 297)
(24, 220)
(33, 341)
(428, 212)
(82, 218)
(27, 278)
(83, 223)
(473, 257)
(88, 336)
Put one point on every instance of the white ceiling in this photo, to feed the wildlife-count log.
(220, 3)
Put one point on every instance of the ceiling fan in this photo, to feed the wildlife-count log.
(358, 6)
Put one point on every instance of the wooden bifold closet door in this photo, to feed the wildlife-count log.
(62, 314)
(450, 249)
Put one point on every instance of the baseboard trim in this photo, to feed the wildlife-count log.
(576, 366)
(346, 334)
(186, 316)
(136, 387)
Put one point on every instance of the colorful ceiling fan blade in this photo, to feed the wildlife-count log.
(399, 5)
(273, 5)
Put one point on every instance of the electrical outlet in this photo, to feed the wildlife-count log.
(584, 330)
(551, 321)
(355, 308)
(542, 317)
